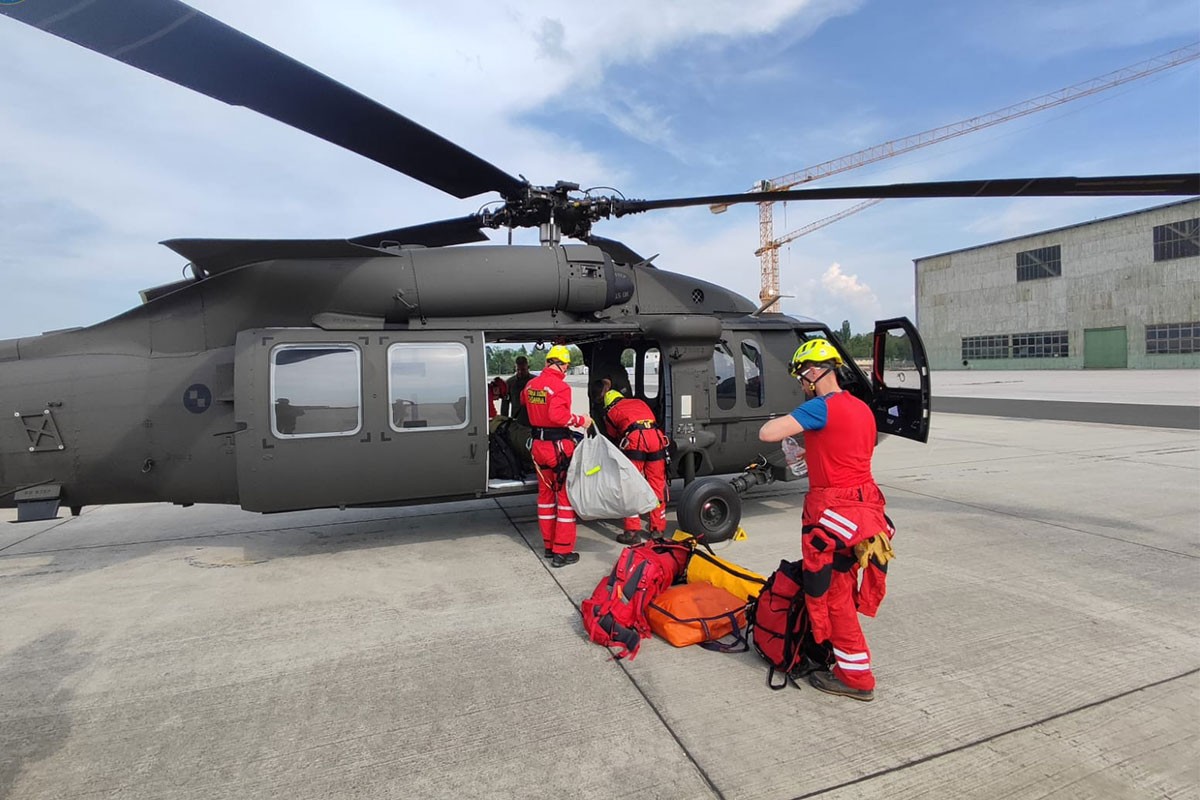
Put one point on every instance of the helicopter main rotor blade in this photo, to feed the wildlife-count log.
(1187, 183)
(183, 45)
(461, 230)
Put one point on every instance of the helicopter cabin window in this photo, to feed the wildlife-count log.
(642, 372)
(629, 367)
(724, 376)
(752, 370)
(651, 380)
(427, 386)
(315, 391)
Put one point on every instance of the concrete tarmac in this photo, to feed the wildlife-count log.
(1039, 639)
(1162, 398)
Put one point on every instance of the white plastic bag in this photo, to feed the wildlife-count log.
(603, 484)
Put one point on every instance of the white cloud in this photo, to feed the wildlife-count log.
(848, 287)
(836, 295)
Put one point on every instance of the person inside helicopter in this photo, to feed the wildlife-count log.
(631, 424)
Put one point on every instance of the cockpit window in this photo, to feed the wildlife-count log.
(725, 376)
(752, 370)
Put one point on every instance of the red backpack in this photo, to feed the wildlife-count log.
(781, 631)
(615, 614)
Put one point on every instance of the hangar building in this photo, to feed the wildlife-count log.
(1117, 292)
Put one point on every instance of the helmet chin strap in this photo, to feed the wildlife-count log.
(810, 385)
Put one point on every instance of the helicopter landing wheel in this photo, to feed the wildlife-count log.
(710, 508)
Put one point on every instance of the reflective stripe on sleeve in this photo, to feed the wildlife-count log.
(830, 525)
(829, 512)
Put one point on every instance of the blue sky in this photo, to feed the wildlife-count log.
(98, 161)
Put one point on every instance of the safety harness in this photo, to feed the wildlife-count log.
(551, 434)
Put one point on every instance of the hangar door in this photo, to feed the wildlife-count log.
(1105, 348)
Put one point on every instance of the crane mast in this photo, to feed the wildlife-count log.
(768, 250)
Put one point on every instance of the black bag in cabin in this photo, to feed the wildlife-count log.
(503, 461)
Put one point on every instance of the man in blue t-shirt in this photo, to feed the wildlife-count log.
(843, 508)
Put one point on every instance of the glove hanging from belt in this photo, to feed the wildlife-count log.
(877, 548)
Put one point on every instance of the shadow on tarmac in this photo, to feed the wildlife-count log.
(34, 674)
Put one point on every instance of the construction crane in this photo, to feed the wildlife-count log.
(768, 250)
(815, 226)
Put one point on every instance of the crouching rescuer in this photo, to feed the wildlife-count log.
(845, 532)
(548, 401)
(631, 424)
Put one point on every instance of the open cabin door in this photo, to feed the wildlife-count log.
(350, 418)
(900, 380)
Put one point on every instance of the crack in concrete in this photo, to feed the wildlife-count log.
(995, 736)
(621, 665)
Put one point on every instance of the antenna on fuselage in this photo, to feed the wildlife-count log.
(769, 301)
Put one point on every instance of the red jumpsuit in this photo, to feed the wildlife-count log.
(548, 401)
(631, 423)
(497, 390)
(843, 507)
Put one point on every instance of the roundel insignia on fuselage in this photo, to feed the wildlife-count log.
(197, 398)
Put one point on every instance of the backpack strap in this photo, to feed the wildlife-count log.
(739, 643)
(791, 645)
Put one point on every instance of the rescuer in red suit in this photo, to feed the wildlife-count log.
(843, 509)
(497, 390)
(548, 401)
(631, 424)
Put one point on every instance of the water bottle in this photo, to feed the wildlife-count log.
(793, 453)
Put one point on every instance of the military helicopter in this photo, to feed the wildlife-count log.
(295, 374)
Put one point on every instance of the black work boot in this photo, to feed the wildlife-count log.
(549, 553)
(828, 683)
(628, 537)
(563, 559)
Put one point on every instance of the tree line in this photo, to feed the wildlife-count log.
(503, 360)
(861, 345)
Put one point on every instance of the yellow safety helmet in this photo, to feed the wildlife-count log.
(612, 396)
(559, 353)
(817, 350)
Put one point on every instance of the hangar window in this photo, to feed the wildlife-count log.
(1044, 344)
(427, 385)
(1045, 262)
(984, 347)
(1175, 337)
(315, 391)
(1177, 240)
